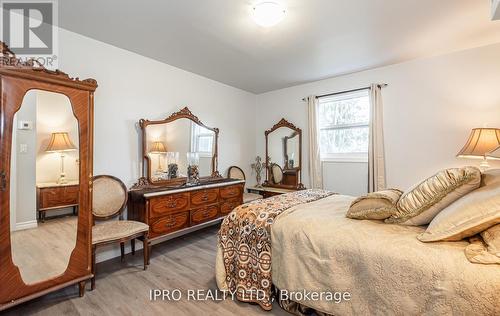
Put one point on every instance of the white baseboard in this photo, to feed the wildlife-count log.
(27, 225)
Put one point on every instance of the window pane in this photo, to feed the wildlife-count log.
(344, 109)
(348, 140)
(205, 144)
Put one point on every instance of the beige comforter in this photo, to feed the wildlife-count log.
(384, 267)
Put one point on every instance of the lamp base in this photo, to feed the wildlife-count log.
(484, 165)
(62, 179)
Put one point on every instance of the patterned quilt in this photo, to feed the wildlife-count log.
(245, 240)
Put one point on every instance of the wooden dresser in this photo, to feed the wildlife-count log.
(177, 211)
(52, 196)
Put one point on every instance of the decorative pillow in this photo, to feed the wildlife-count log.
(420, 204)
(376, 205)
(491, 237)
(470, 215)
(477, 252)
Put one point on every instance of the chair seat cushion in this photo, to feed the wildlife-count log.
(249, 197)
(114, 230)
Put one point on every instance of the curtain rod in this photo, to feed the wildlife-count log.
(382, 85)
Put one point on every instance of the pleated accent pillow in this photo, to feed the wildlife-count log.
(470, 215)
(420, 204)
(376, 205)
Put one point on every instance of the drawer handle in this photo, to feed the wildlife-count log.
(170, 224)
(204, 198)
(3, 181)
(172, 204)
(206, 214)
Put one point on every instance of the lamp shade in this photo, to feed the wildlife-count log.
(481, 142)
(60, 142)
(158, 148)
(495, 154)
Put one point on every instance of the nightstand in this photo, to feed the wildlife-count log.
(53, 196)
(268, 191)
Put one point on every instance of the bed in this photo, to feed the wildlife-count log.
(383, 267)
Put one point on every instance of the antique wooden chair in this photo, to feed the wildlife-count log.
(235, 172)
(109, 199)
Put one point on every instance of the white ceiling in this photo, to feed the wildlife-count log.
(317, 39)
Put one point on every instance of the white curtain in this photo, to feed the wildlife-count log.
(315, 169)
(376, 157)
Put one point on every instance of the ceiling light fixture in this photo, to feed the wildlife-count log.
(268, 14)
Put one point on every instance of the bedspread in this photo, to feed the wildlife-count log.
(386, 270)
(245, 245)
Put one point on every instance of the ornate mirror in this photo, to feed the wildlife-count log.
(284, 156)
(177, 147)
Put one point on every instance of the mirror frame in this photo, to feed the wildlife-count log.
(186, 114)
(17, 78)
(268, 182)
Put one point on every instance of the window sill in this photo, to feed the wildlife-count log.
(345, 160)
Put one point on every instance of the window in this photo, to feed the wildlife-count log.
(202, 140)
(343, 123)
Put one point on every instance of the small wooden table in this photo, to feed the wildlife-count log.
(268, 191)
(53, 196)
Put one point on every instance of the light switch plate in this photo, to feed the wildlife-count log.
(23, 148)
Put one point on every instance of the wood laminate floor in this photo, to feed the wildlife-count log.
(43, 252)
(124, 288)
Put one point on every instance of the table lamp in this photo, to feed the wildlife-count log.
(495, 154)
(158, 148)
(60, 143)
(481, 142)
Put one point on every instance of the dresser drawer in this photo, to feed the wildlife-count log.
(161, 206)
(231, 191)
(58, 196)
(227, 206)
(204, 214)
(169, 224)
(204, 197)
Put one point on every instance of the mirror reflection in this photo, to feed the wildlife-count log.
(44, 185)
(284, 148)
(169, 145)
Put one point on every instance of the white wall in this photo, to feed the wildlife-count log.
(132, 87)
(25, 165)
(430, 106)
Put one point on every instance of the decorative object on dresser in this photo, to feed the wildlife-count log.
(29, 91)
(60, 143)
(480, 143)
(53, 196)
(235, 172)
(109, 201)
(257, 166)
(170, 206)
(284, 148)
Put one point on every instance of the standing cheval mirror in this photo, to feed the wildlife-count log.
(284, 156)
(46, 145)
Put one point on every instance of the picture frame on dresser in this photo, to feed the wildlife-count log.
(170, 205)
(21, 79)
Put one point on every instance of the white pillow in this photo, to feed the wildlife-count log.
(473, 213)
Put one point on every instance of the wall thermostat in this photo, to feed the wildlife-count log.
(25, 125)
